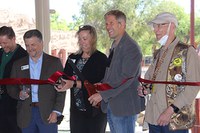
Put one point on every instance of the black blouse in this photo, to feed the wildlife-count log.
(93, 71)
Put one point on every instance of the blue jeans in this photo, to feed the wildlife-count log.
(38, 126)
(124, 124)
(164, 129)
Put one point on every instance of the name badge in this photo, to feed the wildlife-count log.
(25, 67)
(178, 77)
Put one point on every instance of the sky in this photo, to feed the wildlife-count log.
(67, 8)
(186, 4)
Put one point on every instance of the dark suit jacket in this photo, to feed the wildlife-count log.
(8, 104)
(126, 62)
(93, 71)
(8, 111)
(49, 98)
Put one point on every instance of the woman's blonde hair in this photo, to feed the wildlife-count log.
(93, 33)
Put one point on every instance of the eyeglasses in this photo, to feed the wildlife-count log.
(158, 26)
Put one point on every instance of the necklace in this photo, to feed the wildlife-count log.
(159, 63)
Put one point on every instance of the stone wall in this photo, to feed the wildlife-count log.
(21, 23)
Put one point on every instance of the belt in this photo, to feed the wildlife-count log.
(34, 104)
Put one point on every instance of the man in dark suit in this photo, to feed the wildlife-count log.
(122, 103)
(10, 52)
(38, 109)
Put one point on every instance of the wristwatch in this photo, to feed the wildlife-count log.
(176, 109)
(75, 84)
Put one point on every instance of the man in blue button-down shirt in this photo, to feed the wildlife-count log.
(39, 108)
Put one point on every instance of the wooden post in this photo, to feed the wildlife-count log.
(192, 18)
(196, 128)
(54, 52)
(43, 21)
(62, 56)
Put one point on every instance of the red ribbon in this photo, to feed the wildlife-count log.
(105, 86)
(169, 82)
(18, 81)
(93, 88)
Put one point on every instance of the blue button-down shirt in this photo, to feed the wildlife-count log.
(35, 70)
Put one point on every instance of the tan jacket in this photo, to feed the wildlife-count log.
(157, 103)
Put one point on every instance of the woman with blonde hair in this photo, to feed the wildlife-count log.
(92, 64)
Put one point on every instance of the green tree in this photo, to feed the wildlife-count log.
(197, 32)
(93, 12)
(57, 23)
(138, 13)
(77, 21)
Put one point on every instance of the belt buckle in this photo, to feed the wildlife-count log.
(35, 104)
